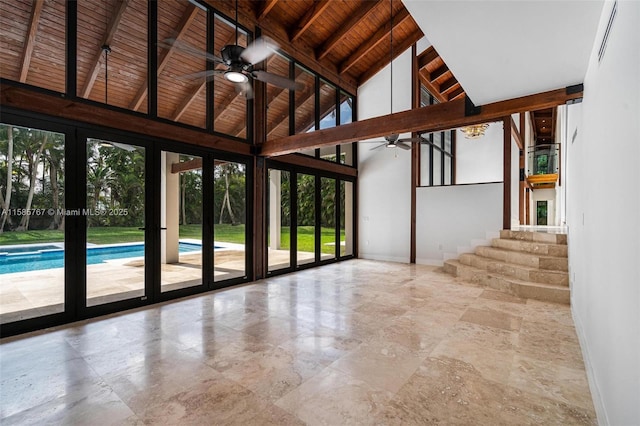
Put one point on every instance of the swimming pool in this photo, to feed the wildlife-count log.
(39, 256)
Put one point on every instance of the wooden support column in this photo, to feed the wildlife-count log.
(506, 174)
(260, 181)
(522, 186)
(259, 215)
(415, 153)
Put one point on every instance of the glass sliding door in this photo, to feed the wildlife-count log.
(230, 215)
(115, 212)
(279, 220)
(180, 221)
(328, 218)
(306, 219)
(32, 218)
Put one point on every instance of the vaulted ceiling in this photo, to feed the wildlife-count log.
(345, 41)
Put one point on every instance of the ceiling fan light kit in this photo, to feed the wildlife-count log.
(236, 76)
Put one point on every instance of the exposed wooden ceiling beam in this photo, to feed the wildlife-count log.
(273, 28)
(30, 39)
(448, 84)
(345, 28)
(187, 101)
(516, 135)
(121, 6)
(380, 36)
(397, 51)
(188, 17)
(195, 164)
(185, 166)
(438, 72)
(447, 115)
(307, 161)
(226, 103)
(264, 8)
(56, 106)
(459, 92)
(431, 87)
(429, 55)
(309, 18)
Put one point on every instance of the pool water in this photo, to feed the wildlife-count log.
(38, 257)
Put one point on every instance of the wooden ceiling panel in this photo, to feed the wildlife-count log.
(329, 21)
(318, 44)
(47, 63)
(289, 12)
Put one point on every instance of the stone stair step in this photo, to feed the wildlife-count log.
(540, 237)
(513, 286)
(531, 260)
(533, 247)
(520, 272)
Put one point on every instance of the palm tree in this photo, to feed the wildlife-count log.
(55, 158)
(6, 203)
(39, 139)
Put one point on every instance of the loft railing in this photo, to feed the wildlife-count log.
(543, 159)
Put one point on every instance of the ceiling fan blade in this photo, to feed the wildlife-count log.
(411, 140)
(277, 80)
(168, 43)
(377, 147)
(245, 89)
(201, 76)
(403, 145)
(259, 50)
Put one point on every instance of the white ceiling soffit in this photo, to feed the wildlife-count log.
(506, 49)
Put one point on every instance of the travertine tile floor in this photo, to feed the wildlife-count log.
(358, 342)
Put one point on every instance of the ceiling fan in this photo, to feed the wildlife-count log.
(238, 61)
(393, 140)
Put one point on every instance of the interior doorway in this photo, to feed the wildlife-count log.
(541, 213)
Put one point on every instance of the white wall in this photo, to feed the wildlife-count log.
(515, 183)
(384, 175)
(480, 160)
(450, 217)
(603, 213)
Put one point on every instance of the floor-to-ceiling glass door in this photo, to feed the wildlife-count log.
(94, 221)
(114, 213)
(230, 220)
(181, 221)
(32, 222)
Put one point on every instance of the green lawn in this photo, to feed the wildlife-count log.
(306, 238)
(223, 233)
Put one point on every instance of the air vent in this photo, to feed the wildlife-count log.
(603, 44)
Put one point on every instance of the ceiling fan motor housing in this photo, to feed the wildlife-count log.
(231, 55)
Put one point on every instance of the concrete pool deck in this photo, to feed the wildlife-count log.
(32, 294)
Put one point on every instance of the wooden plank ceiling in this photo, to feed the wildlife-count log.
(437, 78)
(346, 41)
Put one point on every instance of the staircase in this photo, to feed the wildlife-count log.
(531, 265)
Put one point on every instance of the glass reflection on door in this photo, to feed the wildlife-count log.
(279, 222)
(230, 205)
(180, 221)
(32, 218)
(115, 221)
